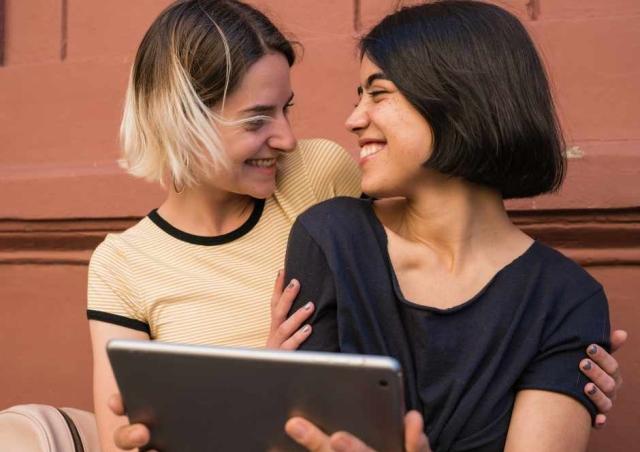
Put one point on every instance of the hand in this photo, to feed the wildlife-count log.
(604, 372)
(285, 333)
(127, 437)
(308, 435)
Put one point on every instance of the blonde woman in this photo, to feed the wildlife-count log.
(206, 116)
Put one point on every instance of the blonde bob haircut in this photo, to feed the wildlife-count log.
(193, 55)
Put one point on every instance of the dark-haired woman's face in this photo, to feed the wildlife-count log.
(394, 138)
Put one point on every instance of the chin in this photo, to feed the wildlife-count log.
(262, 192)
(384, 193)
(377, 190)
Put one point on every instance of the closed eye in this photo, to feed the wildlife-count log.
(255, 124)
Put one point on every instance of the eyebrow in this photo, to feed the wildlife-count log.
(264, 109)
(372, 78)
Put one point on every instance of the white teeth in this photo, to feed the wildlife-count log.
(370, 149)
(261, 163)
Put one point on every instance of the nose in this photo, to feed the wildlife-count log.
(358, 119)
(282, 138)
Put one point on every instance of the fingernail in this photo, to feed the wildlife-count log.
(308, 306)
(587, 365)
(593, 390)
(292, 284)
(593, 349)
(297, 430)
(278, 274)
(306, 328)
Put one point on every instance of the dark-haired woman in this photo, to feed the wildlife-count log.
(455, 116)
(206, 113)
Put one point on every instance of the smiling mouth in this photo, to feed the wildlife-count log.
(370, 149)
(261, 163)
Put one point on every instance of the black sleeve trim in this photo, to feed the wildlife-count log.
(118, 320)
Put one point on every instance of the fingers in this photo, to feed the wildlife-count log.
(130, 437)
(414, 438)
(283, 304)
(307, 435)
(605, 366)
(345, 442)
(297, 338)
(602, 402)
(600, 378)
(277, 289)
(312, 438)
(291, 333)
(116, 405)
(618, 338)
(127, 437)
(288, 333)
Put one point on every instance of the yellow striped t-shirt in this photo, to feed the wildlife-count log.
(213, 290)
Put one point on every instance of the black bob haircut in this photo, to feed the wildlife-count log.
(471, 69)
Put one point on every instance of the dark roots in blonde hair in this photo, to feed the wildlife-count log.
(193, 55)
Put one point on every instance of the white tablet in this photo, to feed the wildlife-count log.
(197, 398)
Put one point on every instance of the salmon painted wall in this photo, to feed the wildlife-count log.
(63, 72)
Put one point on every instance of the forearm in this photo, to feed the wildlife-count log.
(104, 383)
(106, 421)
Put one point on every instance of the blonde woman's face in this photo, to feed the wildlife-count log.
(253, 148)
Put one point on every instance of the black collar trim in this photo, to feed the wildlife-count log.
(210, 240)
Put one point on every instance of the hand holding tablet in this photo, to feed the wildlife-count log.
(203, 398)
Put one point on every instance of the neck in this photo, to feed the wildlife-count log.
(206, 211)
(454, 218)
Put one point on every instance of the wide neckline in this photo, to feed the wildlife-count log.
(383, 240)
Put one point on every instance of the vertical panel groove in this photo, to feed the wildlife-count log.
(356, 15)
(63, 31)
(2, 36)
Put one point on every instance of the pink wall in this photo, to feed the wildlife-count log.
(62, 80)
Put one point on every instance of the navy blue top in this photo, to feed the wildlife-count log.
(526, 329)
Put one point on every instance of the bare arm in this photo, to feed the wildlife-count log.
(548, 422)
(104, 383)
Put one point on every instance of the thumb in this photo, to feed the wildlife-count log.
(415, 439)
